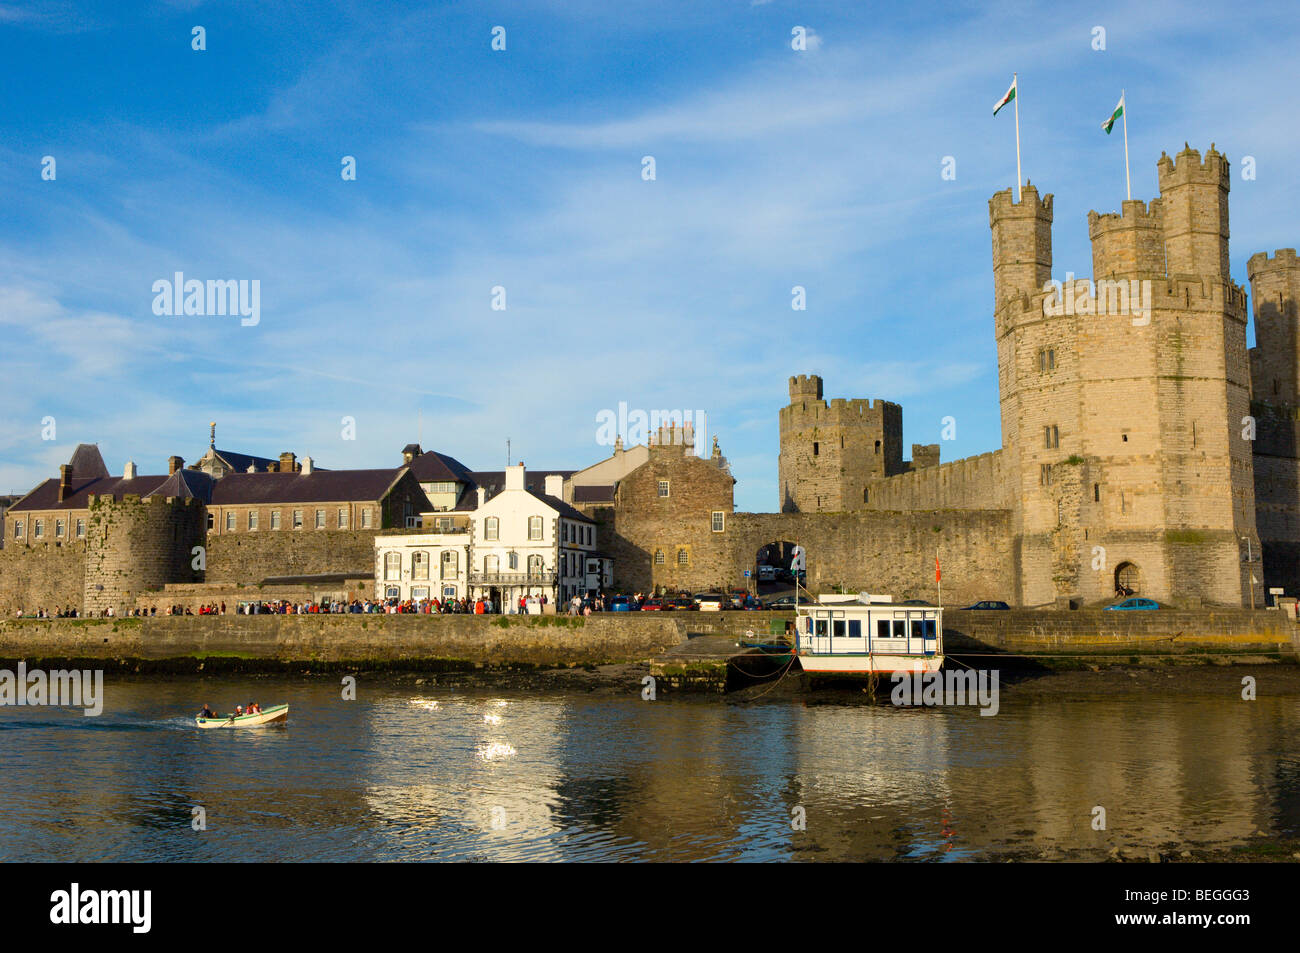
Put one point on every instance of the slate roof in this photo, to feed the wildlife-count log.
(87, 462)
(567, 511)
(182, 483)
(602, 493)
(240, 462)
(533, 479)
(319, 486)
(433, 467)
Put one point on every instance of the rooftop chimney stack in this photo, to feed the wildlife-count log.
(515, 477)
(555, 485)
(174, 464)
(65, 481)
(128, 473)
(287, 462)
(306, 466)
(482, 496)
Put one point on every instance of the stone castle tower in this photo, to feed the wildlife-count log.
(1275, 377)
(1122, 404)
(831, 451)
(135, 545)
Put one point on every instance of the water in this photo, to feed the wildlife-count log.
(428, 773)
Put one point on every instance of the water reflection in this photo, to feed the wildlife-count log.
(441, 774)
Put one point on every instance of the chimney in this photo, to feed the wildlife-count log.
(174, 464)
(482, 496)
(515, 477)
(287, 462)
(129, 472)
(65, 481)
(306, 466)
(555, 485)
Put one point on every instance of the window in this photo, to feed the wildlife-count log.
(683, 558)
(450, 564)
(19, 529)
(230, 521)
(564, 565)
(659, 554)
(320, 519)
(855, 628)
(419, 565)
(535, 565)
(719, 521)
(60, 527)
(39, 531)
(1045, 474)
(864, 495)
(1051, 437)
(449, 592)
(882, 628)
(445, 524)
(365, 517)
(491, 528)
(443, 487)
(513, 560)
(211, 518)
(816, 448)
(297, 519)
(900, 629)
(392, 592)
(535, 527)
(663, 488)
(81, 529)
(275, 519)
(252, 519)
(1096, 493)
(877, 446)
(343, 517)
(491, 563)
(1047, 360)
(392, 565)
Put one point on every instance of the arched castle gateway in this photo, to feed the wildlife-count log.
(1140, 439)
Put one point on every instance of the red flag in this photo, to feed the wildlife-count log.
(936, 568)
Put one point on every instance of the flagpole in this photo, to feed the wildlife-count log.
(1015, 77)
(1128, 186)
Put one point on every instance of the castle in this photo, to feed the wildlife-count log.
(1144, 449)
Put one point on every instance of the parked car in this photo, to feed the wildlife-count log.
(1136, 603)
(620, 604)
(987, 605)
(712, 601)
(685, 604)
(782, 602)
(767, 574)
(737, 596)
(750, 603)
(655, 605)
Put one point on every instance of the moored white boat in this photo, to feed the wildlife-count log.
(266, 716)
(867, 634)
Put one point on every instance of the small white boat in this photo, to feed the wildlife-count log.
(867, 634)
(267, 716)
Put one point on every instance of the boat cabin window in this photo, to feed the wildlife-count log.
(822, 626)
(929, 629)
(882, 628)
(917, 629)
(855, 629)
(900, 629)
(840, 629)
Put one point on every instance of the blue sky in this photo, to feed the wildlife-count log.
(522, 169)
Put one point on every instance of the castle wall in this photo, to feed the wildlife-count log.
(974, 483)
(249, 558)
(46, 576)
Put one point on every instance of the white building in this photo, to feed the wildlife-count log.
(431, 564)
(518, 543)
(527, 543)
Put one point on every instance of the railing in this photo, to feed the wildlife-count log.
(512, 578)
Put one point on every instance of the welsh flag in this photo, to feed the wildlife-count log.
(1109, 124)
(1011, 94)
(936, 568)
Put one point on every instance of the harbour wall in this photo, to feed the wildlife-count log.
(420, 641)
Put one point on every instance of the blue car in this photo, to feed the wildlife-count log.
(620, 604)
(1135, 604)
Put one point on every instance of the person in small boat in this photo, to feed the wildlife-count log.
(239, 711)
(253, 709)
(207, 712)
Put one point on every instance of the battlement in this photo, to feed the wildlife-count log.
(1282, 259)
(1004, 205)
(1190, 168)
(1134, 213)
(805, 387)
(1172, 293)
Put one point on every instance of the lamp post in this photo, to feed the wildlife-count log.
(1250, 561)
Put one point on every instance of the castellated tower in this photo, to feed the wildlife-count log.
(1123, 399)
(1275, 387)
(830, 451)
(135, 545)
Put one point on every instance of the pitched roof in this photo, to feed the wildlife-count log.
(319, 486)
(185, 484)
(534, 479)
(240, 462)
(87, 462)
(565, 510)
(431, 466)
